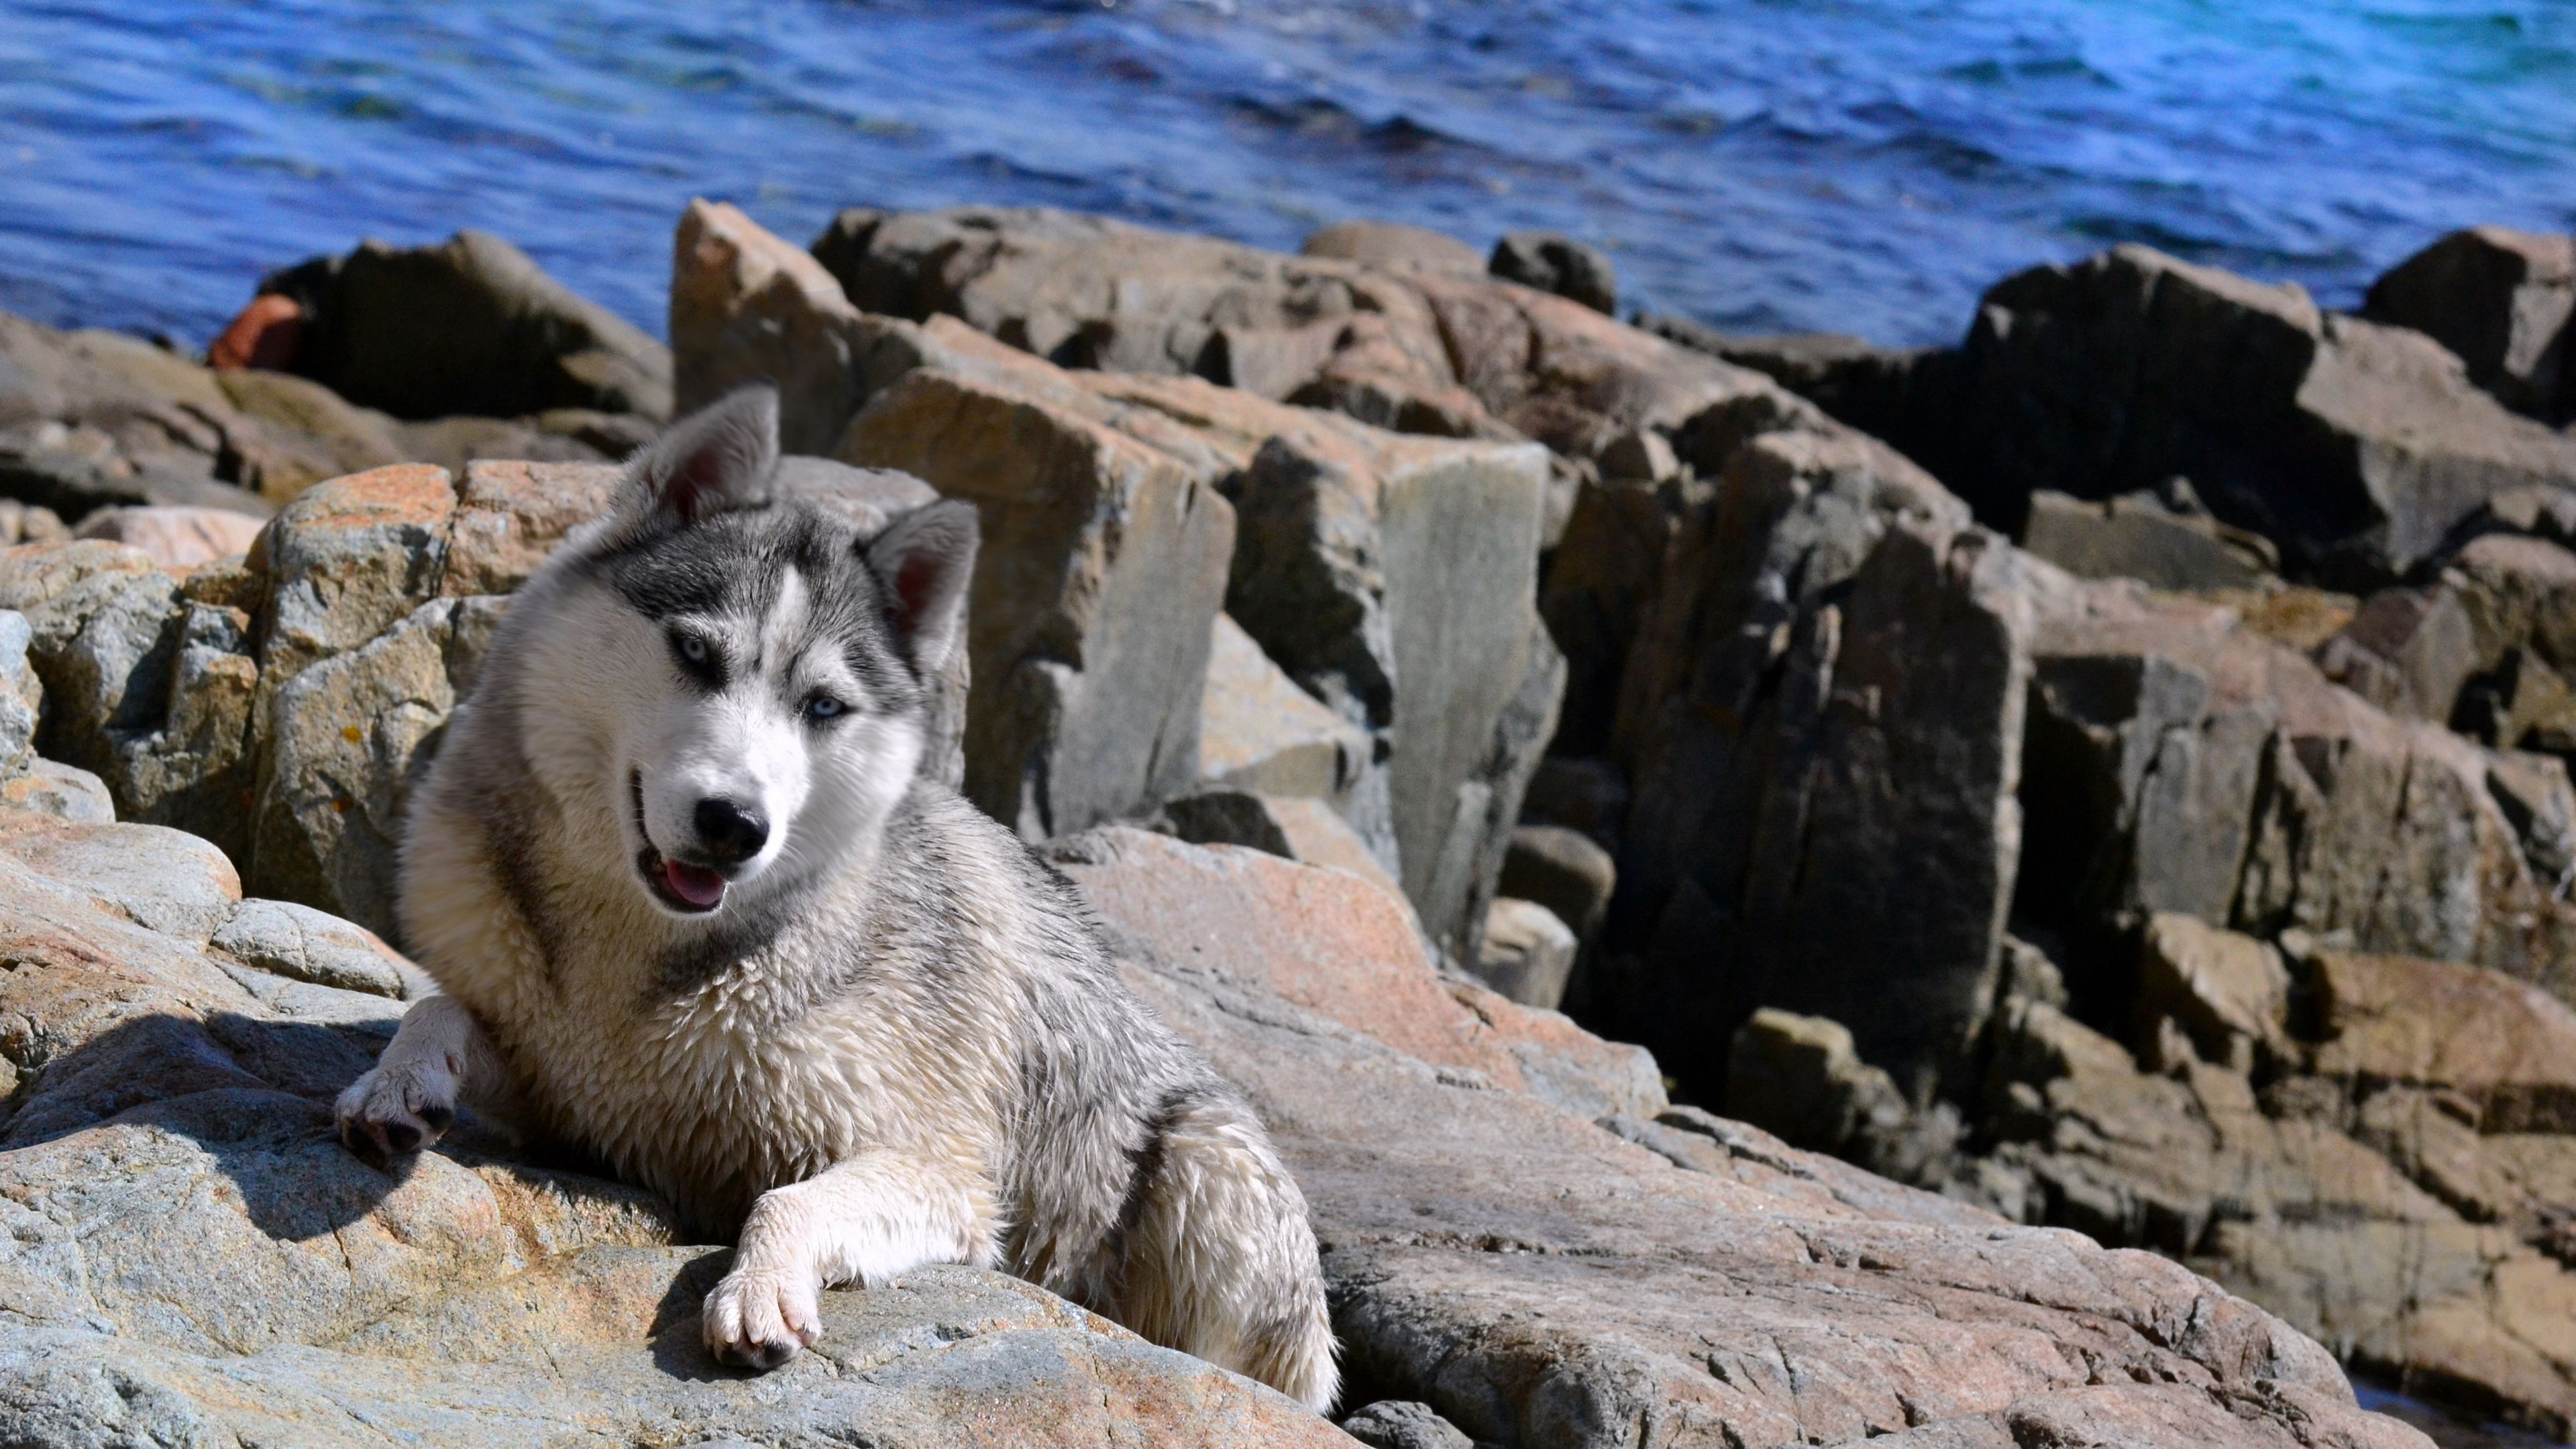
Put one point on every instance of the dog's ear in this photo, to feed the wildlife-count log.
(717, 458)
(924, 560)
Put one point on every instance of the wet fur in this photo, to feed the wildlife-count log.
(901, 1040)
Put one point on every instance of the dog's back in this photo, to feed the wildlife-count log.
(881, 988)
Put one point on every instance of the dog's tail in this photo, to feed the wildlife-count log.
(1220, 1260)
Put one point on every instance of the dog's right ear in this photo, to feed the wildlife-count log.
(717, 458)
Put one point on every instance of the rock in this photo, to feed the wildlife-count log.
(1537, 1280)
(2407, 651)
(1825, 629)
(1558, 264)
(303, 944)
(292, 433)
(2228, 993)
(468, 326)
(238, 1276)
(29, 523)
(2506, 1047)
(2136, 536)
(1408, 347)
(1291, 827)
(1334, 944)
(1260, 732)
(2503, 302)
(2176, 761)
(1799, 1077)
(344, 743)
(65, 792)
(1907, 397)
(266, 335)
(94, 418)
(1097, 586)
(1393, 245)
(1404, 1424)
(2540, 804)
(1586, 795)
(1525, 953)
(1564, 870)
(176, 538)
(2354, 447)
(1600, 584)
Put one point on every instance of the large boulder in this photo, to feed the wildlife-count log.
(2354, 446)
(197, 1261)
(1676, 1279)
(2505, 302)
(470, 326)
(1822, 713)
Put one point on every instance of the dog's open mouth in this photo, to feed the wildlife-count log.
(689, 889)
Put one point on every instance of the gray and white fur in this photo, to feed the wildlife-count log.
(692, 907)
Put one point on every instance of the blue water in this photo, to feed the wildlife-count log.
(1855, 165)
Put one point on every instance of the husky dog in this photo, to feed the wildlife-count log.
(691, 906)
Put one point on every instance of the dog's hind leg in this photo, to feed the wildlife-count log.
(405, 1102)
(1220, 1260)
(864, 1220)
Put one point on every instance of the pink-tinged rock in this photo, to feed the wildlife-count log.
(175, 537)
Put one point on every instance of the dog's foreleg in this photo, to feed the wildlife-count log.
(865, 1221)
(408, 1099)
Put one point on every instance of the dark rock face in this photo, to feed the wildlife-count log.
(1558, 264)
(1823, 716)
(2504, 302)
(470, 326)
(2354, 447)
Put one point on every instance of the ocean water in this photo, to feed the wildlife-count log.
(1865, 166)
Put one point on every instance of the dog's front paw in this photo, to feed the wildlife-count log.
(397, 1110)
(758, 1318)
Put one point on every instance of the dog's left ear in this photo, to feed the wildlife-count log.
(717, 458)
(924, 561)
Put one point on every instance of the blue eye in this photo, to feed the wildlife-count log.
(693, 649)
(824, 706)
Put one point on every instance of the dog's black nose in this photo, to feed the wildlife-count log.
(730, 831)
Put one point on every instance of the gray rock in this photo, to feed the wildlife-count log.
(303, 943)
(1525, 953)
(1260, 732)
(344, 744)
(1404, 1424)
(1289, 826)
(65, 792)
(1558, 264)
(1564, 870)
(2354, 447)
(1824, 631)
(470, 325)
(1392, 244)
(1799, 1077)
(2505, 302)
(2407, 651)
(2229, 993)
(2136, 536)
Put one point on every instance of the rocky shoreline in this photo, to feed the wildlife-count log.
(2110, 775)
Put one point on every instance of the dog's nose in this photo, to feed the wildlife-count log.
(730, 831)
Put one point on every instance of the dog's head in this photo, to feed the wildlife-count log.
(741, 685)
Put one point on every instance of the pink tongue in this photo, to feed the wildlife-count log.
(697, 887)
